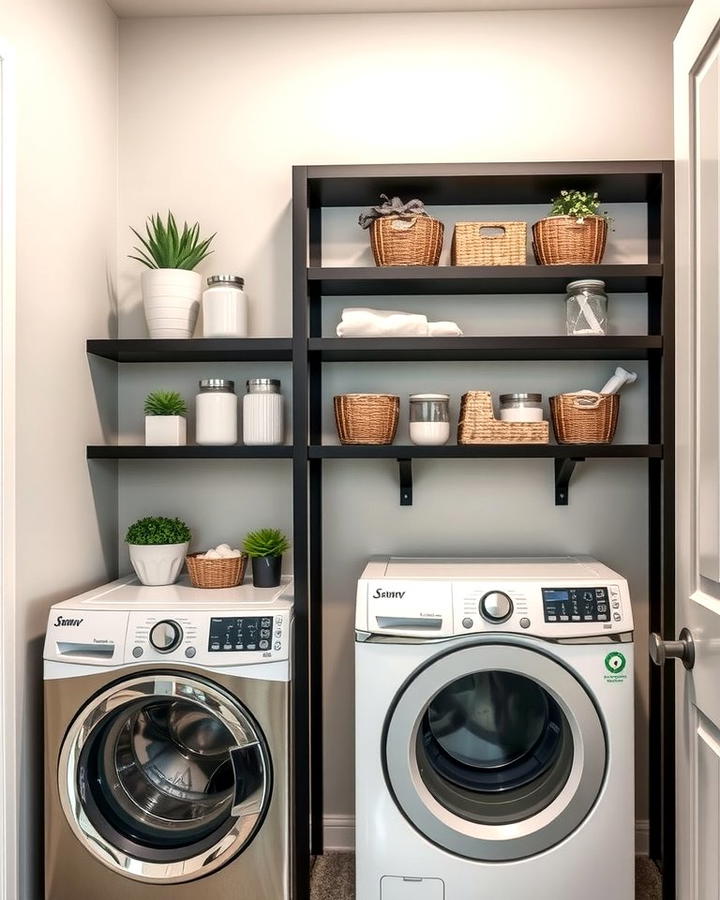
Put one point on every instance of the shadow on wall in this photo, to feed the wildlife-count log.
(31, 772)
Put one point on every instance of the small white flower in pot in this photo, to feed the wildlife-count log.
(165, 423)
(171, 289)
(157, 548)
(574, 233)
(265, 548)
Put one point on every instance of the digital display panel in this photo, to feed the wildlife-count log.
(575, 605)
(240, 633)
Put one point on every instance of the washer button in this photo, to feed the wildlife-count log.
(190, 652)
(137, 652)
(617, 617)
(278, 645)
(467, 622)
(524, 622)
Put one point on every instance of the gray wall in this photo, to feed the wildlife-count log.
(214, 112)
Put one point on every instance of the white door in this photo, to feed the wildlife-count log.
(697, 149)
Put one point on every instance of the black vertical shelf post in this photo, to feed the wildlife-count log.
(302, 755)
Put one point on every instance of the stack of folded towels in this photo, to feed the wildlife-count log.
(362, 322)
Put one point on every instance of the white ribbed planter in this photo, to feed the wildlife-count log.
(165, 431)
(172, 302)
(157, 564)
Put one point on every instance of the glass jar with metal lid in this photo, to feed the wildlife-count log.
(224, 306)
(429, 419)
(216, 413)
(586, 307)
(521, 408)
(263, 420)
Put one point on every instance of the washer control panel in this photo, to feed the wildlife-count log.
(576, 604)
(245, 634)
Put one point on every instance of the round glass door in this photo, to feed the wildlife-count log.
(495, 752)
(165, 778)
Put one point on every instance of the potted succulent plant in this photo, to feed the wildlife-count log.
(165, 423)
(157, 548)
(265, 548)
(171, 289)
(403, 234)
(575, 232)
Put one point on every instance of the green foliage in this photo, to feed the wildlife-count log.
(166, 248)
(578, 204)
(266, 542)
(165, 403)
(158, 530)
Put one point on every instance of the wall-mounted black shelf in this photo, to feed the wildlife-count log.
(193, 350)
(189, 451)
(487, 451)
(484, 348)
(406, 280)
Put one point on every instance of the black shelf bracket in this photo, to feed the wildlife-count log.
(564, 469)
(406, 481)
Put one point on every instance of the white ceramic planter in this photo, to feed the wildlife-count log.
(157, 564)
(165, 431)
(172, 302)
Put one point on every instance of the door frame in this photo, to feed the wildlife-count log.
(9, 848)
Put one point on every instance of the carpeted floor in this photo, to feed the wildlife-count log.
(334, 878)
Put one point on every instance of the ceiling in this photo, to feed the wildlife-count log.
(147, 8)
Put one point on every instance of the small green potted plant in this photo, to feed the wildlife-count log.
(265, 548)
(171, 289)
(165, 423)
(575, 232)
(158, 546)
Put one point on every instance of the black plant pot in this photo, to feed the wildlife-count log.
(266, 571)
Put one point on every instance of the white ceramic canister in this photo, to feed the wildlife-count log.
(216, 413)
(263, 412)
(225, 313)
(429, 419)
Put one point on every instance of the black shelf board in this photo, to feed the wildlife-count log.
(190, 451)
(484, 348)
(193, 350)
(364, 281)
(483, 183)
(488, 451)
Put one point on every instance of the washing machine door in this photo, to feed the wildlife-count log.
(495, 752)
(165, 777)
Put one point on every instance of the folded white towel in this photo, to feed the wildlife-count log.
(365, 322)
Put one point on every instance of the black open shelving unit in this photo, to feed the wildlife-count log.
(473, 184)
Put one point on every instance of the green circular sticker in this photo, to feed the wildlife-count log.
(615, 662)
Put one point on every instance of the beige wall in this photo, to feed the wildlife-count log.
(66, 192)
(213, 113)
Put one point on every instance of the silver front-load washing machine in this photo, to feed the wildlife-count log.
(167, 743)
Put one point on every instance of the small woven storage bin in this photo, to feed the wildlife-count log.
(399, 241)
(585, 418)
(478, 425)
(366, 418)
(216, 573)
(565, 241)
(473, 245)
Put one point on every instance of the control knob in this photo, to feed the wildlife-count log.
(165, 635)
(496, 607)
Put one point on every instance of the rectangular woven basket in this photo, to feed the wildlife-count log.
(400, 241)
(585, 418)
(366, 418)
(472, 245)
(478, 425)
(216, 573)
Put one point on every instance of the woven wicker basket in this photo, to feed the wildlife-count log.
(366, 418)
(478, 425)
(564, 241)
(216, 573)
(473, 246)
(399, 241)
(585, 418)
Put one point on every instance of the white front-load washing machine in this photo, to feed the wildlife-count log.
(494, 730)
(167, 744)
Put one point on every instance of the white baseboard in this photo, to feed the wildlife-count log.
(340, 834)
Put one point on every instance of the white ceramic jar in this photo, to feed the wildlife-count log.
(263, 421)
(521, 408)
(216, 413)
(224, 306)
(429, 419)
